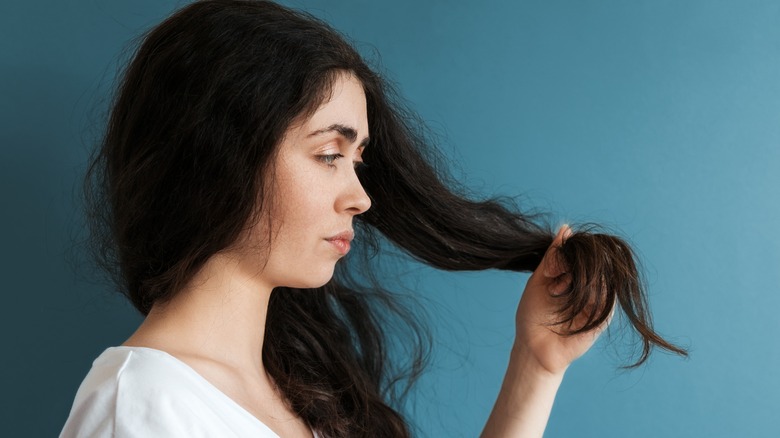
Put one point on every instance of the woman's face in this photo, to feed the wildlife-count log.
(317, 192)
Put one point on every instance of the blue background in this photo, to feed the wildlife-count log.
(658, 118)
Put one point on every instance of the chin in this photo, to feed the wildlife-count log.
(313, 279)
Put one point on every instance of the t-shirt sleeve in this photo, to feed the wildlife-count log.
(147, 393)
(94, 408)
(114, 403)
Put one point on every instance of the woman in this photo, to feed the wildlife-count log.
(247, 146)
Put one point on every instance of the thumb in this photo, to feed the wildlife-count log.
(552, 264)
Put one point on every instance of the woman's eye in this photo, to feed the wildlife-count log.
(329, 159)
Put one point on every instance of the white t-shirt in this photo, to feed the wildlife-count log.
(143, 392)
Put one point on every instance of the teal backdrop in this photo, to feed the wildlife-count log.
(660, 119)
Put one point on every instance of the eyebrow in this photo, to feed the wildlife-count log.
(345, 131)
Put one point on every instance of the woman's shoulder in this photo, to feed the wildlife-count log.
(135, 373)
(138, 391)
(128, 389)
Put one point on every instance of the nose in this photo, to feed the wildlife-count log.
(354, 198)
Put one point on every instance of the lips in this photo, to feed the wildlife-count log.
(341, 241)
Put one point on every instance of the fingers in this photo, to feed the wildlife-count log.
(605, 325)
(553, 262)
(552, 273)
(594, 309)
(554, 276)
(609, 318)
(559, 285)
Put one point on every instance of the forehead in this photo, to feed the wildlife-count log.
(346, 106)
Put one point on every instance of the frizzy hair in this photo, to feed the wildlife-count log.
(179, 176)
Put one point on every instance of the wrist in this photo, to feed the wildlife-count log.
(522, 360)
(525, 400)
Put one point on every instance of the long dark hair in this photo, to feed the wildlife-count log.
(194, 129)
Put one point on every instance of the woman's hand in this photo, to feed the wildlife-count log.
(540, 355)
(536, 338)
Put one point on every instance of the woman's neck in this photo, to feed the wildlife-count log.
(219, 316)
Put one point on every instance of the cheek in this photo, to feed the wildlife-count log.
(304, 213)
(304, 204)
(301, 257)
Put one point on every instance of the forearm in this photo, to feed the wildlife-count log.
(525, 400)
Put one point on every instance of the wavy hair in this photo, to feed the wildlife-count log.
(193, 129)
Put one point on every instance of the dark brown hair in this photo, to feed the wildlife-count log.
(193, 129)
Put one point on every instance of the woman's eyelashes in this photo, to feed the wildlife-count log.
(330, 160)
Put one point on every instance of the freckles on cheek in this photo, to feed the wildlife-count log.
(303, 198)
